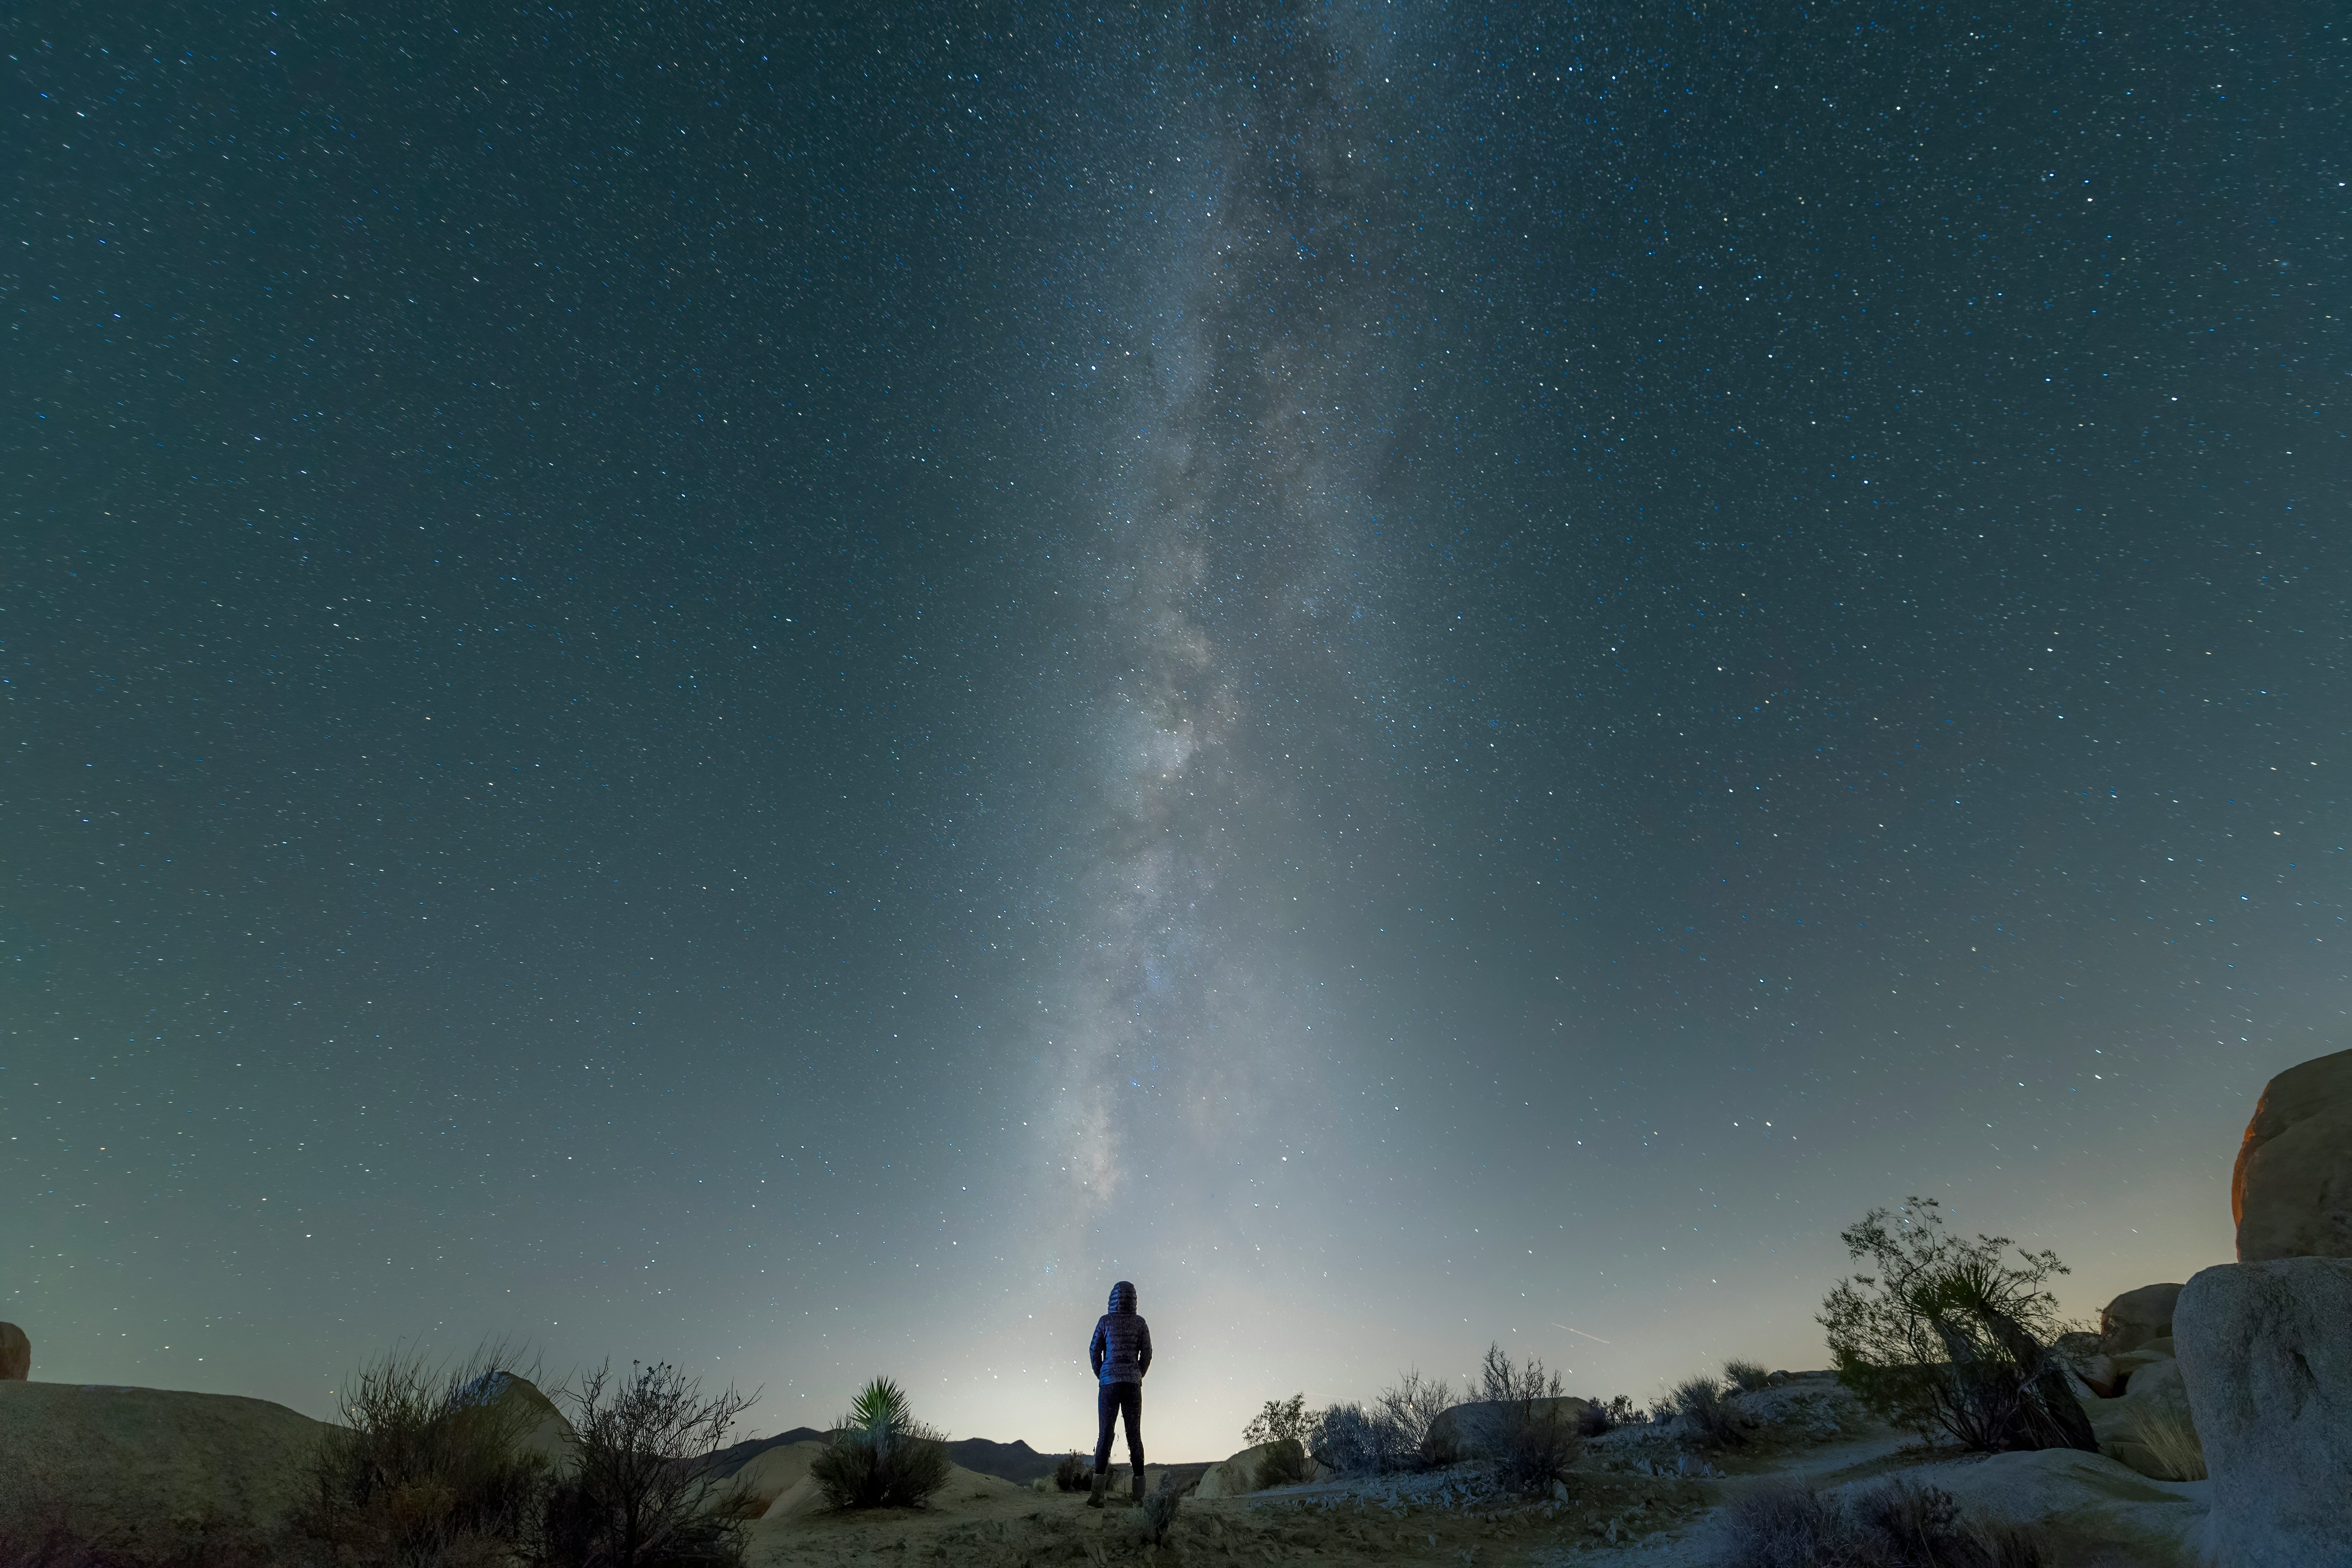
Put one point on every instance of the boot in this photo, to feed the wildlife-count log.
(1102, 1484)
(1135, 1485)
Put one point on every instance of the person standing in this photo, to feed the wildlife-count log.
(1121, 1354)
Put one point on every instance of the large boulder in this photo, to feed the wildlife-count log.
(2086, 1508)
(2135, 1317)
(1473, 1430)
(543, 1430)
(2291, 1192)
(154, 1473)
(773, 1472)
(2266, 1356)
(15, 1354)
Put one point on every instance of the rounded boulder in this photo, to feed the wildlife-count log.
(2291, 1191)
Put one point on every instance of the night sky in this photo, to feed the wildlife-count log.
(778, 690)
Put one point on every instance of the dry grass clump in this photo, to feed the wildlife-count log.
(2171, 1441)
(1600, 1418)
(423, 1467)
(1748, 1376)
(1284, 1463)
(882, 1457)
(1897, 1525)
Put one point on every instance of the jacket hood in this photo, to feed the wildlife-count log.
(1122, 1297)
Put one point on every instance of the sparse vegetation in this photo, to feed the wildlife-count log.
(1747, 1375)
(1392, 1433)
(1897, 1525)
(1284, 1463)
(1534, 1442)
(642, 1493)
(1599, 1417)
(1698, 1404)
(1947, 1335)
(423, 1467)
(1075, 1473)
(2171, 1440)
(882, 1457)
(1282, 1427)
(1281, 1419)
(1159, 1512)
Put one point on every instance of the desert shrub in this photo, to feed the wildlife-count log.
(1898, 1525)
(1533, 1442)
(1501, 1382)
(1284, 1463)
(642, 1490)
(1075, 1473)
(423, 1467)
(1748, 1376)
(1600, 1417)
(1159, 1512)
(1946, 1334)
(1281, 1419)
(2170, 1440)
(1781, 1527)
(882, 1457)
(1347, 1437)
(1412, 1407)
(1698, 1404)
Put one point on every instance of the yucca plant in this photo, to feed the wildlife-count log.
(882, 1457)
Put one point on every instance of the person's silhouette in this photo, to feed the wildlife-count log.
(1121, 1354)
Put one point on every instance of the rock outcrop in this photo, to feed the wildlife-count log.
(2083, 1506)
(15, 1354)
(2148, 1424)
(2291, 1192)
(152, 1473)
(2135, 1317)
(2266, 1357)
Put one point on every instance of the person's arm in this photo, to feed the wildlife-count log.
(1095, 1349)
(1144, 1356)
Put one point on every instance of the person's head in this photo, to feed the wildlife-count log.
(1122, 1297)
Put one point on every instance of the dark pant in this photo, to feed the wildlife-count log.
(1112, 1399)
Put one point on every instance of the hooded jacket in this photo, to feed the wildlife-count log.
(1121, 1352)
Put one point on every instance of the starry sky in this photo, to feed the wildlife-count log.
(780, 688)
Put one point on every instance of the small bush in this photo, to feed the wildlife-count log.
(1281, 1420)
(424, 1466)
(1748, 1376)
(644, 1491)
(882, 1457)
(1347, 1437)
(1698, 1404)
(1159, 1512)
(1502, 1383)
(1412, 1407)
(1075, 1473)
(1781, 1527)
(1600, 1417)
(2171, 1441)
(1284, 1463)
(1898, 1525)
(1536, 1450)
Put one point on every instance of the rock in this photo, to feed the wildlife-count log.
(544, 1432)
(155, 1474)
(1237, 1477)
(2135, 1317)
(2148, 1425)
(15, 1354)
(1474, 1428)
(2085, 1506)
(2266, 1355)
(2291, 1192)
(2099, 1374)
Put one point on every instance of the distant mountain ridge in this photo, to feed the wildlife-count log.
(1015, 1462)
